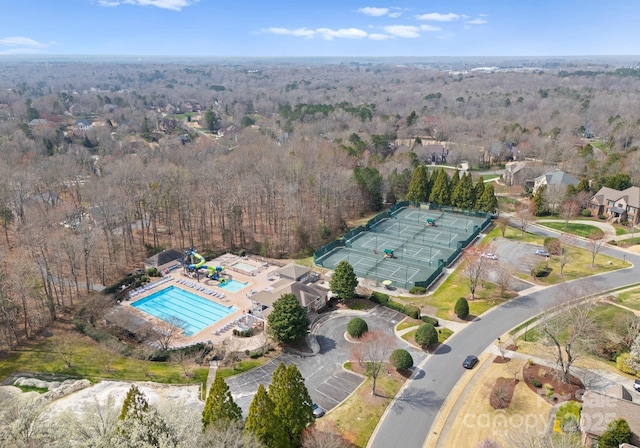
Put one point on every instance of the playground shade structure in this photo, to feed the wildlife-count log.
(407, 245)
(186, 310)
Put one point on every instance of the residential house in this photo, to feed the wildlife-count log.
(167, 260)
(294, 279)
(555, 179)
(601, 408)
(82, 125)
(617, 206)
(514, 173)
(436, 154)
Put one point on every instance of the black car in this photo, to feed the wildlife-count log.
(470, 361)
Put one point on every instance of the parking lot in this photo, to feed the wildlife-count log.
(328, 383)
(520, 256)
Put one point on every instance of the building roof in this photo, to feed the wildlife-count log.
(305, 293)
(164, 257)
(599, 409)
(557, 178)
(630, 195)
(293, 271)
(82, 122)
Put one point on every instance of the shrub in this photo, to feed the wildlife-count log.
(430, 320)
(357, 327)
(602, 217)
(412, 311)
(401, 359)
(379, 298)
(623, 364)
(243, 333)
(552, 245)
(617, 433)
(417, 290)
(586, 212)
(540, 270)
(426, 334)
(461, 308)
(535, 382)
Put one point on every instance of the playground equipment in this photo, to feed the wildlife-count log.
(215, 272)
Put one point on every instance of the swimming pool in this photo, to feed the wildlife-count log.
(232, 285)
(244, 267)
(190, 312)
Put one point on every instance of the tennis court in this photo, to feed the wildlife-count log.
(408, 246)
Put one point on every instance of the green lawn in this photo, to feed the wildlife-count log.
(94, 362)
(630, 299)
(408, 323)
(241, 367)
(583, 230)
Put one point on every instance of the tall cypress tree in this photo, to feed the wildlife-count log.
(478, 191)
(220, 407)
(135, 404)
(463, 194)
(419, 185)
(292, 403)
(440, 190)
(262, 421)
(488, 201)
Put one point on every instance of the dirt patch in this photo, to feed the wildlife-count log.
(358, 304)
(546, 383)
(502, 393)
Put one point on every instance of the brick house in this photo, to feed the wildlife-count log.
(617, 206)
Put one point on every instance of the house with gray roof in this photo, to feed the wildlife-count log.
(168, 259)
(616, 205)
(601, 408)
(554, 179)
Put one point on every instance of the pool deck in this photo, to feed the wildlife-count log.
(259, 280)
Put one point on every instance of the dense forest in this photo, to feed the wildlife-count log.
(106, 163)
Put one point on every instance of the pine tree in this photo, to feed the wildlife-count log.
(344, 281)
(478, 190)
(440, 190)
(539, 201)
(292, 403)
(583, 185)
(220, 407)
(463, 194)
(135, 404)
(488, 201)
(453, 183)
(262, 421)
(419, 185)
(288, 321)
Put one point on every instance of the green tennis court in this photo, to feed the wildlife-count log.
(408, 246)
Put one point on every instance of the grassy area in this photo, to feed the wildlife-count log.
(93, 361)
(630, 299)
(507, 204)
(583, 230)
(408, 323)
(357, 417)
(240, 367)
(443, 335)
(630, 241)
(620, 230)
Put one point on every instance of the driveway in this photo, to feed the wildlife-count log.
(328, 383)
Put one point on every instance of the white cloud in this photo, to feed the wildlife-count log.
(15, 41)
(478, 21)
(378, 36)
(429, 28)
(174, 5)
(437, 17)
(406, 31)
(395, 14)
(346, 33)
(302, 32)
(374, 12)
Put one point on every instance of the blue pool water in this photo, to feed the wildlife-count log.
(233, 285)
(190, 312)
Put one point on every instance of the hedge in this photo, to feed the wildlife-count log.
(383, 299)
(430, 320)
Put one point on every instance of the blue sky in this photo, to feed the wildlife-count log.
(248, 28)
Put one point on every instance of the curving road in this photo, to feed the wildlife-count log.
(413, 413)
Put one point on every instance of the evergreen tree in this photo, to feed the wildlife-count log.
(135, 404)
(426, 335)
(288, 321)
(461, 308)
(220, 407)
(583, 185)
(292, 403)
(488, 201)
(262, 421)
(344, 281)
(463, 194)
(617, 433)
(453, 183)
(369, 181)
(478, 190)
(440, 190)
(419, 185)
(539, 201)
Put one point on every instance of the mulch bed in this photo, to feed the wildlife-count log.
(502, 393)
(546, 375)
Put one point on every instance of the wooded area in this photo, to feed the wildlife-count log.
(104, 164)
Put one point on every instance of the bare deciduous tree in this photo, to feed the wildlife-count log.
(372, 353)
(503, 277)
(568, 210)
(523, 217)
(474, 268)
(327, 437)
(595, 242)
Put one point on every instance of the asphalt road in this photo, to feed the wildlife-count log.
(411, 416)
